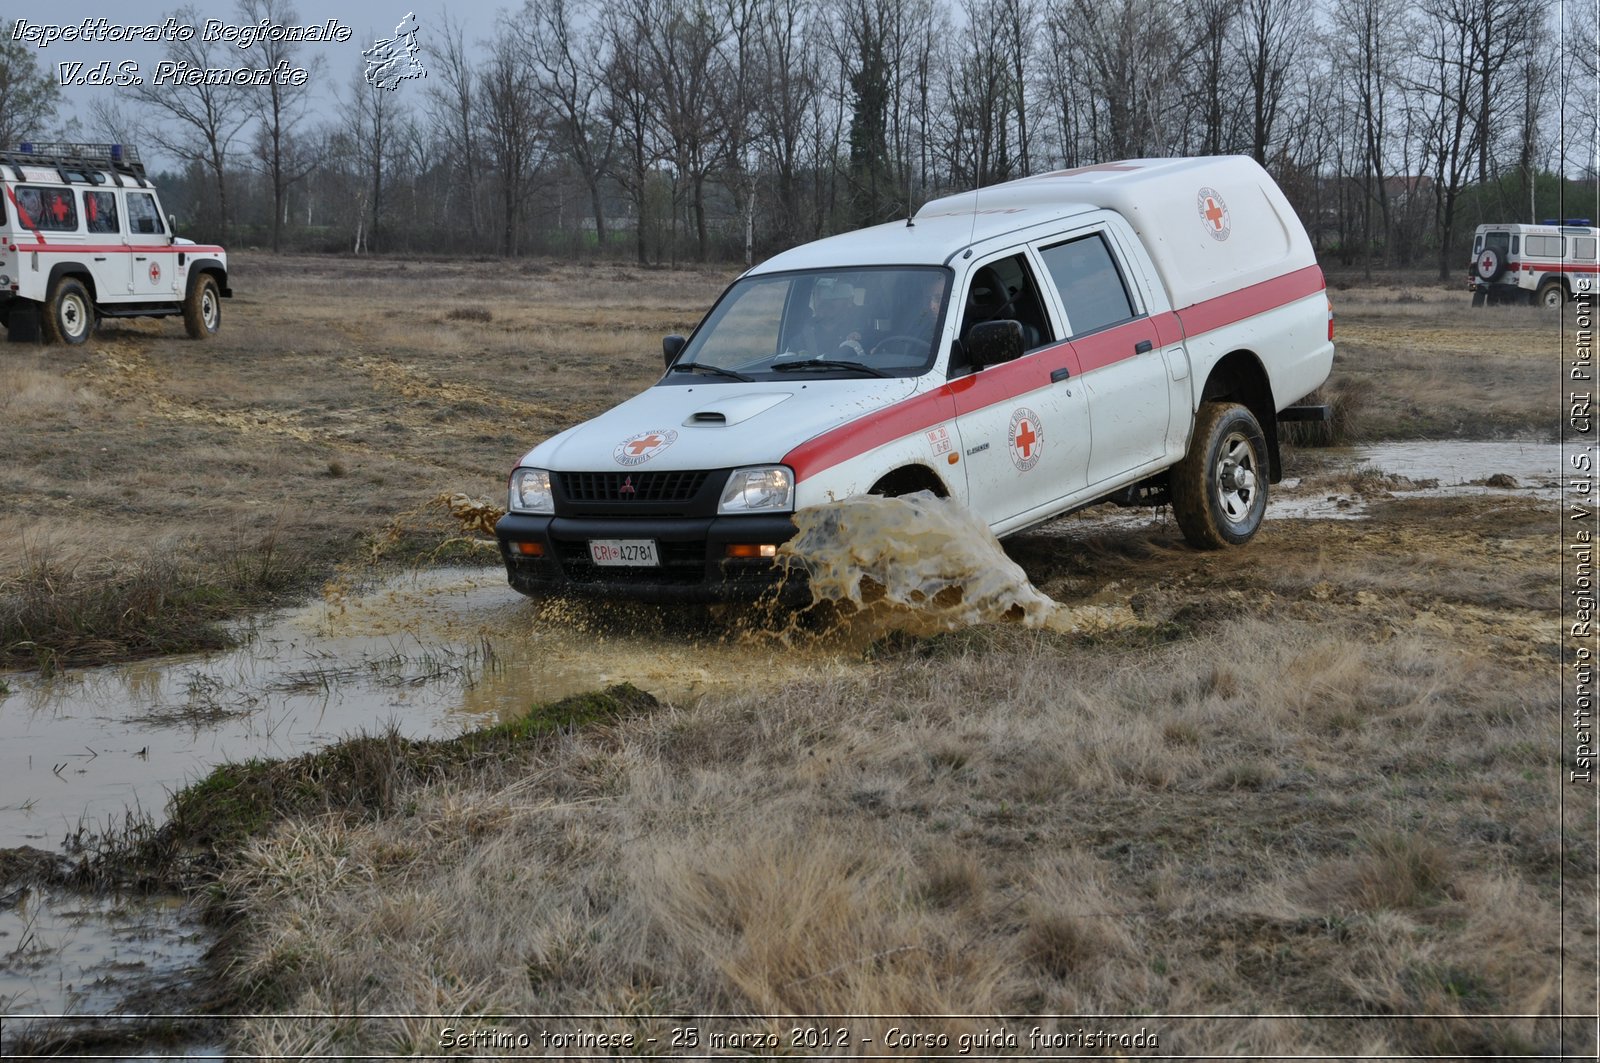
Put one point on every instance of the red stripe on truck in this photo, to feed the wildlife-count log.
(1003, 383)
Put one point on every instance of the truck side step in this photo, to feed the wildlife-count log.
(1322, 412)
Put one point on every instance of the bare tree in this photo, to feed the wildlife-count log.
(783, 105)
(196, 123)
(455, 102)
(628, 106)
(367, 140)
(28, 94)
(280, 108)
(514, 128)
(568, 72)
(1274, 34)
(1123, 50)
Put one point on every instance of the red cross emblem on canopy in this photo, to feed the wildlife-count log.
(1213, 212)
(639, 446)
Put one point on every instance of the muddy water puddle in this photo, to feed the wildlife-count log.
(433, 654)
(1347, 480)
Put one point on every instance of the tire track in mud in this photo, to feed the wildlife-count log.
(122, 372)
(411, 382)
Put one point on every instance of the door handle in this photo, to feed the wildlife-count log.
(1142, 347)
(138, 258)
(1058, 375)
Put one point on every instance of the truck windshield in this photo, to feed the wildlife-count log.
(821, 323)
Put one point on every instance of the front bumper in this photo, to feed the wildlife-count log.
(693, 552)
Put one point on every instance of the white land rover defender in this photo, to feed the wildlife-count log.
(83, 236)
(1128, 332)
(1543, 264)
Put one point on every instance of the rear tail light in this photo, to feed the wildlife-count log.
(1330, 320)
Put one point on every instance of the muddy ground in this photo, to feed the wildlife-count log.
(1316, 776)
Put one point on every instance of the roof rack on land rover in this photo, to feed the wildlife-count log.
(78, 162)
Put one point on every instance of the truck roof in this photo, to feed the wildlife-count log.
(1211, 225)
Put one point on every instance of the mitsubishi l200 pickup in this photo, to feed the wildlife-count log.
(1128, 332)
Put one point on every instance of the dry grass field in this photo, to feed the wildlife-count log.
(1308, 798)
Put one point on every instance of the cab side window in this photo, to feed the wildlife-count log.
(142, 214)
(1092, 289)
(998, 291)
(100, 212)
(47, 209)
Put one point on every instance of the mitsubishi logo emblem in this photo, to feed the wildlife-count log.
(627, 487)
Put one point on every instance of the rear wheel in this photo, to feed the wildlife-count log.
(1551, 295)
(68, 313)
(202, 309)
(1219, 489)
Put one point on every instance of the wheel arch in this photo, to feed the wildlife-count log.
(1554, 278)
(199, 267)
(1240, 377)
(76, 270)
(910, 478)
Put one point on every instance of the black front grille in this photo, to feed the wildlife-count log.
(582, 487)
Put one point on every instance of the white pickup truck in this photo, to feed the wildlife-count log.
(1128, 332)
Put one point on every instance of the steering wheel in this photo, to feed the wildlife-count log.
(914, 345)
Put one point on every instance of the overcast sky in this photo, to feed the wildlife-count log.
(368, 21)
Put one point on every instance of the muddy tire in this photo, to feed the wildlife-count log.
(1219, 489)
(202, 308)
(1551, 295)
(68, 314)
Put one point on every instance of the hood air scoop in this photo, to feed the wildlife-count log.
(733, 410)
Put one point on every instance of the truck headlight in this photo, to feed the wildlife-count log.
(530, 492)
(760, 488)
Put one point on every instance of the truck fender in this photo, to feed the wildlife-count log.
(197, 266)
(908, 479)
(1240, 377)
(71, 269)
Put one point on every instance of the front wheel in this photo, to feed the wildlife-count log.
(68, 313)
(1219, 489)
(202, 309)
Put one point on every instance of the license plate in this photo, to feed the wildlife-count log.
(636, 552)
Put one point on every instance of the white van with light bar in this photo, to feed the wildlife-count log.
(83, 237)
(1129, 332)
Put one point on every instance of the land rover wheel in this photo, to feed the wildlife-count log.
(1219, 489)
(68, 313)
(1552, 296)
(202, 308)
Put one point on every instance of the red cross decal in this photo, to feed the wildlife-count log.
(59, 208)
(639, 446)
(1025, 439)
(1487, 262)
(1214, 213)
(155, 273)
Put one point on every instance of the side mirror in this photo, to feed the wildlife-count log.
(671, 347)
(994, 342)
(172, 224)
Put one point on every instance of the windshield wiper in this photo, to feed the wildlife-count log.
(704, 368)
(828, 363)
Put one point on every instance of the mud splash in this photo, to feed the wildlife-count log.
(922, 564)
